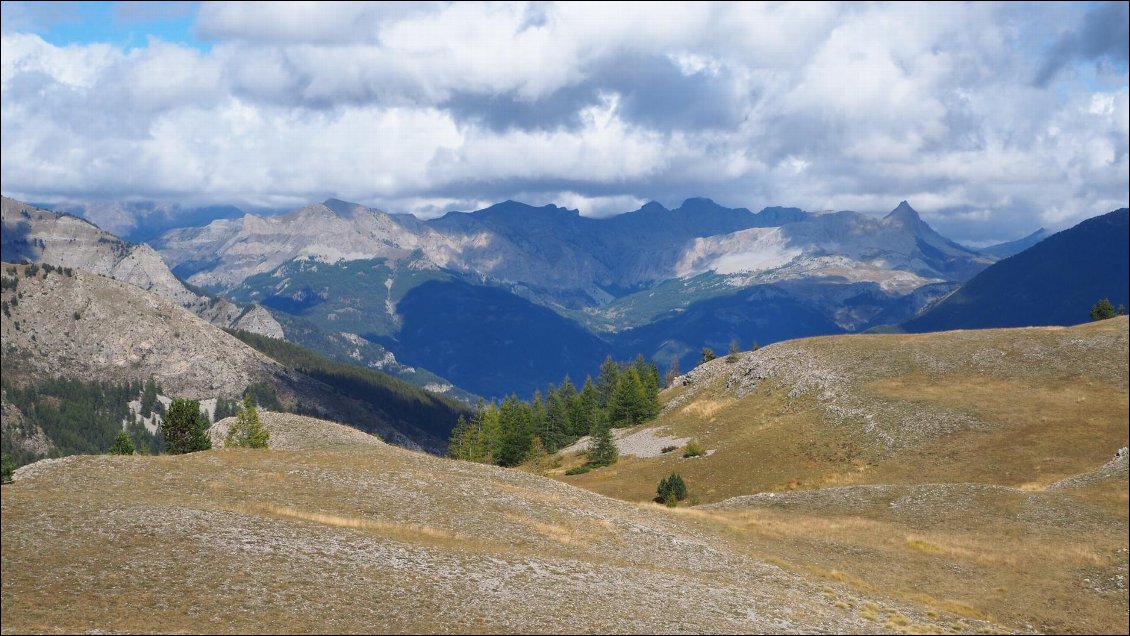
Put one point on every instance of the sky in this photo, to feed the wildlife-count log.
(991, 119)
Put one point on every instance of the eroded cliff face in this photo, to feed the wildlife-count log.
(42, 236)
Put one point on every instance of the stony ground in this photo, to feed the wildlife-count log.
(372, 538)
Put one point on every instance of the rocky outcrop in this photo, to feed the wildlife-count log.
(88, 326)
(42, 236)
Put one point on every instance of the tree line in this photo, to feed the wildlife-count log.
(510, 432)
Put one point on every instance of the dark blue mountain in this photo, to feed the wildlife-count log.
(1054, 282)
(1012, 248)
(490, 341)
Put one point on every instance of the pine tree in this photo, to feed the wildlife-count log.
(7, 467)
(185, 428)
(557, 423)
(1102, 310)
(148, 397)
(517, 430)
(588, 404)
(707, 354)
(671, 489)
(458, 445)
(536, 456)
(606, 382)
(247, 431)
(123, 445)
(602, 446)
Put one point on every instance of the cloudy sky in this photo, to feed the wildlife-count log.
(992, 120)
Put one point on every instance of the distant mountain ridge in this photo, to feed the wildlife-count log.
(43, 236)
(521, 246)
(1010, 248)
(1054, 282)
(84, 326)
(635, 281)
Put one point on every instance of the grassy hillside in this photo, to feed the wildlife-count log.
(366, 537)
(1011, 407)
(918, 465)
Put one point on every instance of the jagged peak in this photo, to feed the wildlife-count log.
(904, 211)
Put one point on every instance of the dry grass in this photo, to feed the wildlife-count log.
(997, 415)
(375, 538)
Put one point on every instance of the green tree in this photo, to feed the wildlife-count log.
(707, 354)
(1103, 310)
(185, 428)
(7, 467)
(536, 457)
(602, 447)
(607, 379)
(148, 397)
(671, 489)
(123, 445)
(516, 423)
(587, 409)
(247, 431)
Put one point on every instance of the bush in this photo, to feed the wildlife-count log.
(671, 490)
(1103, 310)
(123, 445)
(707, 354)
(6, 469)
(668, 449)
(734, 351)
(693, 449)
(578, 470)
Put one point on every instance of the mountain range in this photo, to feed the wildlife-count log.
(1053, 282)
(543, 291)
(513, 297)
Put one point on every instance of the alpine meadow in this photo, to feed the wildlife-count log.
(564, 317)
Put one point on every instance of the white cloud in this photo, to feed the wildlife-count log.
(603, 106)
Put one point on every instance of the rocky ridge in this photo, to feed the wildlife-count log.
(42, 236)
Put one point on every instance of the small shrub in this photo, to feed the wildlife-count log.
(732, 356)
(693, 449)
(578, 470)
(6, 469)
(671, 490)
(668, 449)
(707, 354)
(77, 315)
(123, 445)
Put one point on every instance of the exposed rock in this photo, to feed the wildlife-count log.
(42, 236)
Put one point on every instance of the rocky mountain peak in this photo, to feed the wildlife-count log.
(342, 208)
(904, 213)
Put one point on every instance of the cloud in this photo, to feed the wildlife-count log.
(1104, 35)
(424, 107)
